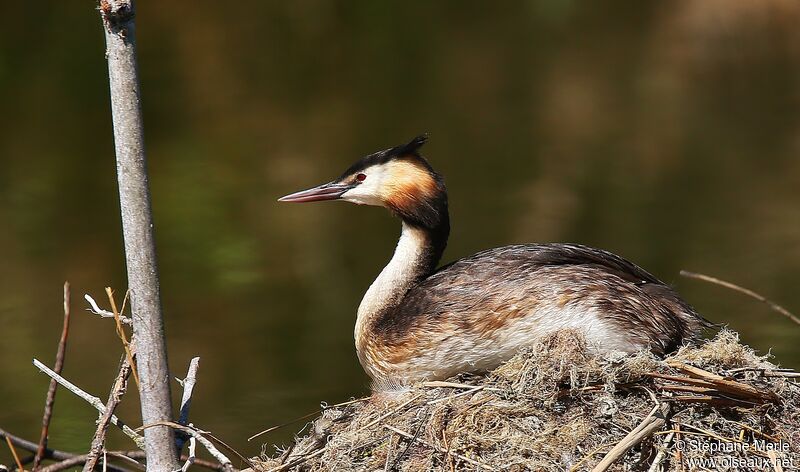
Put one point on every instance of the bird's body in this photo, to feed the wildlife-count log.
(479, 311)
(417, 322)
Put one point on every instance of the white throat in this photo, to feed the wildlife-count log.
(395, 279)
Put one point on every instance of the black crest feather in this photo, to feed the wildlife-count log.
(408, 150)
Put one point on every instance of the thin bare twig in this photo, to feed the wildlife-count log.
(282, 425)
(95, 309)
(577, 466)
(92, 400)
(450, 460)
(14, 453)
(707, 278)
(120, 385)
(78, 460)
(51, 391)
(127, 456)
(402, 455)
(122, 336)
(191, 458)
(68, 464)
(306, 416)
(227, 447)
(662, 452)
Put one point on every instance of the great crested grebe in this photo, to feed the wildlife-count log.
(417, 322)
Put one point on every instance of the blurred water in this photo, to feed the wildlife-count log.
(669, 134)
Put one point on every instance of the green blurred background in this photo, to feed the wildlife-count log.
(668, 132)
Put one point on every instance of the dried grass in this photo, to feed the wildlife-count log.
(555, 407)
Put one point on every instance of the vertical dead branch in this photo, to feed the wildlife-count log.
(51, 392)
(137, 227)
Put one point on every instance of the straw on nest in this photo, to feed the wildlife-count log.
(556, 407)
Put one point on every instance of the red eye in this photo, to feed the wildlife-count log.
(361, 177)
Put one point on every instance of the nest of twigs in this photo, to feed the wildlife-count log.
(555, 407)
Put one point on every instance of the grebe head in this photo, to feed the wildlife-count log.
(397, 178)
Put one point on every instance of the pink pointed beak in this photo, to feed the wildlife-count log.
(329, 191)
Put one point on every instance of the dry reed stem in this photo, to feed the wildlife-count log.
(589, 456)
(644, 430)
(297, 461)
(450, 460)
(437, 448)
(679, 453)
(124, 302)
(389, 450)
(725, 385)
(440, 383)
(390, 413)
(753, 430)
(122, 336)
(459, 394)
(14, 453)
(662, 452)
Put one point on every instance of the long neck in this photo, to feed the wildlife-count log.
(418, 251)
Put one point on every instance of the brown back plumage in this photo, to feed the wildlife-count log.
(485, 290)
